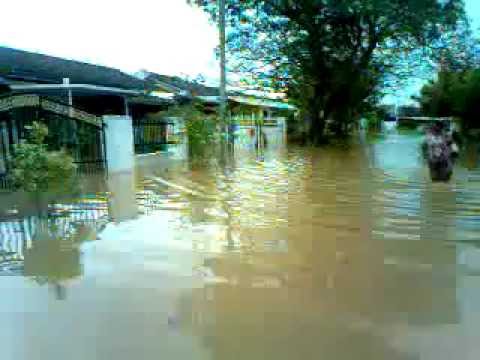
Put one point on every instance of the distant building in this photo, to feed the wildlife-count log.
(409, 111)
(245, 111)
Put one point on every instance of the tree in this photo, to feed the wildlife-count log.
(454, 93)
(455, 89)
(332, 56)
(456, 50)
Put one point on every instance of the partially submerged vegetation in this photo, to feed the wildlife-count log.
(200, 127)
(35, 169)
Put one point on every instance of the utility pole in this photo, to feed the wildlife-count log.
(223, 73)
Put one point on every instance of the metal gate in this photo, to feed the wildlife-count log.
(151, 136)
(74, 130)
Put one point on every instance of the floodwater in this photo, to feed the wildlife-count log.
(294, 253)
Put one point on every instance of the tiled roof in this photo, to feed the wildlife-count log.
(38, 68)
(177, 84)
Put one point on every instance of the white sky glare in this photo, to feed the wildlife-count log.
(164, 36)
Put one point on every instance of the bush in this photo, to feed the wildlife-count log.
(35, 169)
(200, 127)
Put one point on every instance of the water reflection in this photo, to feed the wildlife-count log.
(122, 198)
(45, 246)
(338, 253)
(53, 259)
(368, 248)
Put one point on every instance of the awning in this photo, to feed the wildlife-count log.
(262, 102)
(82, 89)
(253, 101)
(149, 100)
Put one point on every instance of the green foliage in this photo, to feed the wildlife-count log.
(374, 120)
(332, 56)
(454, 94)
(35, 169)
(38, 133)
(201, 132)
(200, 127)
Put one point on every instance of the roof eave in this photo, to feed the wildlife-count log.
(87, 87)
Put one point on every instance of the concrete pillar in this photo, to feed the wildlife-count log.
(120, 164)
(119, 147)
(122, 200)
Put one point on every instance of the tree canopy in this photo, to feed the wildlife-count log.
(332, 56)
(456, 89)
(454, 94)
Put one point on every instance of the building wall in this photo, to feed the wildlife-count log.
(246, 136)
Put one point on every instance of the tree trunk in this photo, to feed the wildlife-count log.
(318, 130)
(317, 118)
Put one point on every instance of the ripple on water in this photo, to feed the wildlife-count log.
(287, 239)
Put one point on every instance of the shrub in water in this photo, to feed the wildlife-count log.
(35, 169)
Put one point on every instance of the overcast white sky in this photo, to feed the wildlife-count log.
(164, 36)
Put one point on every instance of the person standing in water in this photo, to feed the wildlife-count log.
(438, 147)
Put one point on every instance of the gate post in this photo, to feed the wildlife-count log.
(119, 147)
(119, 153)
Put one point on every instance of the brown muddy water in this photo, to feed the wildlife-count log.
(295, 254)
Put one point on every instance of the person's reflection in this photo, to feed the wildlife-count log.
(438, 207)
(434, 301)
(122, 200)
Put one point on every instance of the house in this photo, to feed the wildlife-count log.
(245, 111)
(177, 85)
(70, 97)
(210, 96)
